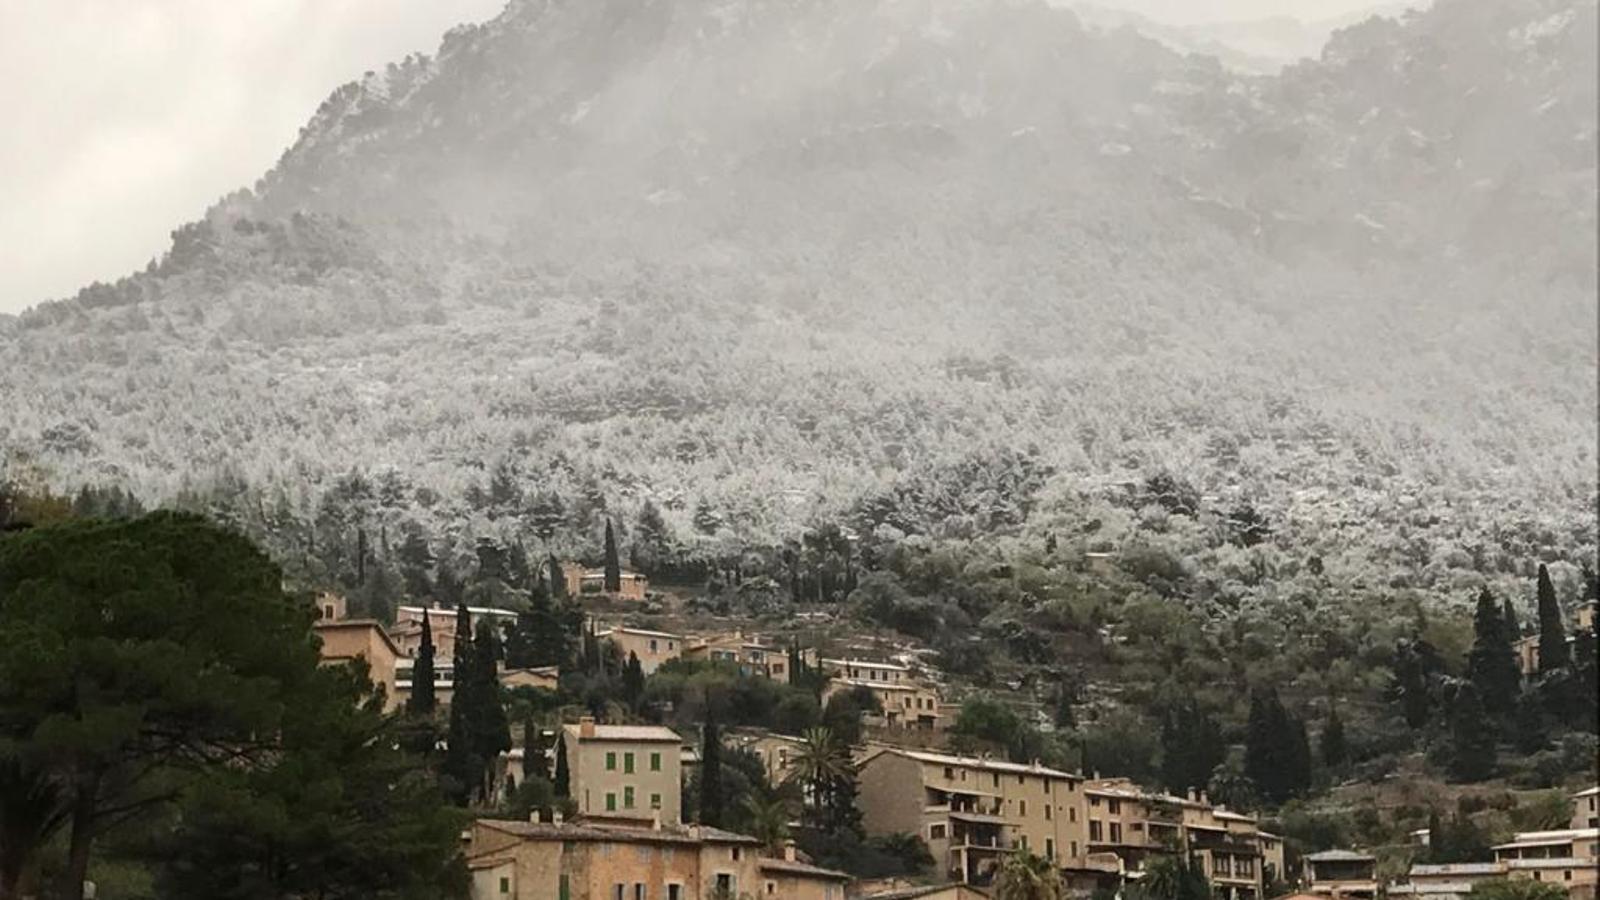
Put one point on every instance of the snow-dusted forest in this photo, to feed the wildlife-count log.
(729, 271)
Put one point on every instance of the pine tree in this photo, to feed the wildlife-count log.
(613, 566)
(711, 799)
(1335, 752)
(1472, 740)
(422, 699)
(1552, 636)
(1491, 665)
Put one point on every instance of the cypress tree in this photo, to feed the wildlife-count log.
(422, 699)
(1552, 635)
(563, 776)
(633, 680)
(711, 805)
(535, 765)
(1472, 741)
(490, 730)
(1335, 752)
(547, 641)
(613, 566)
(1191, 745)
(1513, 627)
(1300, 750)
(1438, 845)
(558, 579)
(1491, 665)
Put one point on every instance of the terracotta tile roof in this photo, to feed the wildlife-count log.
(626, 733)
(799, 868)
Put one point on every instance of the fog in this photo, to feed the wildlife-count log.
(130, 117)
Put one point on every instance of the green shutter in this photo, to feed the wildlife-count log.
(611, 802)
(655, 762)
(627, 763)
(611, 762)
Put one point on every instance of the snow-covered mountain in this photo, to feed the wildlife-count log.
(777, 256)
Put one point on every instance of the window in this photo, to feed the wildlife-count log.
(734, 852)
(1022, 807)
(565, 891)
(1116, 832)
(627, 763)
(1114, 807)
(1022, 779)
(611, 762)
(1072, 814)
(1023, 842)
(653, 647)
(997, 779)
(655, 762)
(505, 885)
(1566, 875)
(1137, 826)
(1074, 846)
(1245, 866)
(1094, 830)
(1047, 812)
(674, 891)
(655, 801)
(611, 802)
(638, 890)
(627, 797)
(617, 891)
(1050, 849)
(936, 832)
(1094, 801)
(772, 888)
(725, 883)
(949, 774)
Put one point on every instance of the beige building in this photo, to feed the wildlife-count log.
(345, 640)
(971, 811)
(1445, 880)
(1342, 873)
(1137, 825)
(777, 752)
(545, 677)
(624, 771)
(583, 580)
(407, 630)
(751, 655)
(1586, 808)
(907, 702)
(1568, 858)
(652, 647)
(592, 860)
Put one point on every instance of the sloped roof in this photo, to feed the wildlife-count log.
(589, 830)
(625, 733)
(1339, 856)
(795, 867)
(974, 762)
(1466, 868)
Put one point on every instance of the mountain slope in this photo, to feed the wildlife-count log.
(784, 258)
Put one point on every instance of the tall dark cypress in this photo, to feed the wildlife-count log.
(711, 800)
(490, 730)
(1552, 635)
(1509, 612)
(563, 776)
(535, 765)
(558, 579)
(633, 680)
(1335, 752)
(1491, 665)
(613, 565)
(422, 699)
(1472, 743)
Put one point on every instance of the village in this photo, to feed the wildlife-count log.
(625, 834)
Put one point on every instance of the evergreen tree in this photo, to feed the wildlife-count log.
(1513, 627)
(563, 776)
(613, 566)
(535, 765)
(1472, 740)
(462, 768)
(422, 700)
(1191, 746)
(1436, 837)
(490, 729)
(547, 638)
(1586, 679)
(633, 680)
(1300, 766)
(1491, 664)
(1335, 752)
(711, 799)
(1552, 635)
(1277, 752)
(558, 579)
(1416, 671)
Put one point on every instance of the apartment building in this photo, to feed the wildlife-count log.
(753, 656)
(407, 630)
(624, 771)
(971, 811)
(652, 647)
(346, 640)
(595, 860)
(1568, 858)
(907, 702)
(581, 579)
(1137, 825)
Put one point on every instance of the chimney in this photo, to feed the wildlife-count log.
(655, 820)
(556, 817)
(1203, 798)
(788, 850)
(586, 727)
(1192, 795)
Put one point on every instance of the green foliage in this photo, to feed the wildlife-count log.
(712, 800)
(1553, 654)
(1491, 665)
(1472, 752)
(1173, 878)
(1517, 889)
(1335, 748)
(1277, 753)
(1191, 746)
(1024, 876)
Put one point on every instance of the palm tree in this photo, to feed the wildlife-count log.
(769, 819)
(1024, 876)
(820, 762)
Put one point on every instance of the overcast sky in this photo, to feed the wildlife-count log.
(126, 118)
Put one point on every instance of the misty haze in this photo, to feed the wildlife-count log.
(1191, 408)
